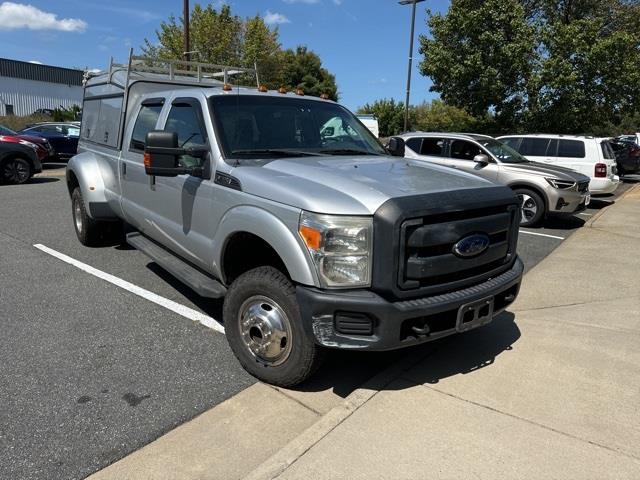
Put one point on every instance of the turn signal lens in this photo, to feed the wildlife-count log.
(282, 90)
(263, 88)
(300, 92)
(324, 96)
(147, 160)
(312, 237)
(227, 88)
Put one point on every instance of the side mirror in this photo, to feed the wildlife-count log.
(328, 132)
(396, 147)
(162, 155)
(482, 160)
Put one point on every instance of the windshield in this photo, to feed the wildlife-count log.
(6, 131)
(501, 151)
(259, 127)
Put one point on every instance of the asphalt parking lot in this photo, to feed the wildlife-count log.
(92, 371)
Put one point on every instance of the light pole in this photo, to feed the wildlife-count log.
(413, 22)
(185, 16)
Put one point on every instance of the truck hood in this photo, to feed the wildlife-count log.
(349, 185)
(546, 170)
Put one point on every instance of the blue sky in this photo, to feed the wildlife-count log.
(363, 42)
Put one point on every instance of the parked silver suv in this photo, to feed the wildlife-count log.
(541, 188)
(315, 237)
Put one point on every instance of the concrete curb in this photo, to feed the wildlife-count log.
(285, 457)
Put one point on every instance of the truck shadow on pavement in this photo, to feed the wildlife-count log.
(455, 355)
(345, 371)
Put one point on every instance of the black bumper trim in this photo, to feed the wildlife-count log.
(319, 308)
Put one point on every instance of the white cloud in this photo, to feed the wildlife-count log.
(272, 18)
(14, 16)
(308, 2)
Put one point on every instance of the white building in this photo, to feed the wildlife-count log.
(28, 87)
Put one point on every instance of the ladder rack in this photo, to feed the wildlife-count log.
(179, 71)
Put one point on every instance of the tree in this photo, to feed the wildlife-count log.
(567, 66)
(220, 37)
(302, 68)
(480, 56)
(437, 116)
(389, 113)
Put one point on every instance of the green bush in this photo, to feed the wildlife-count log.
(18, 123)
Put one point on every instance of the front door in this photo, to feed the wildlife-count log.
(462, 153)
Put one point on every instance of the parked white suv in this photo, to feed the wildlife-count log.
(588, 155)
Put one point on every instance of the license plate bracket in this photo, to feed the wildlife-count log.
(475, 314)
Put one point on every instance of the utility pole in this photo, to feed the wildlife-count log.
(187, 47)
(413, 22)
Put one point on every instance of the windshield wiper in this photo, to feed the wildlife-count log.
(275, 152)
(347, 151)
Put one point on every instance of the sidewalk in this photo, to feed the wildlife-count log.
(550, 389)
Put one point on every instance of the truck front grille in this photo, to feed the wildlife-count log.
(427, 257)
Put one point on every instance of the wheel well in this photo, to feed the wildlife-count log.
(534, 189)
(245, 251)
(13, 156)
(72, 182)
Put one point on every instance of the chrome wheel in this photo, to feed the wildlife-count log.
(16, 171)
(528, 208)
(77, 215)
(265, 330)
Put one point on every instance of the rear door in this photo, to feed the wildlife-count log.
(431, 149)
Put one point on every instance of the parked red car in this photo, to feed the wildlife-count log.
(42, 147)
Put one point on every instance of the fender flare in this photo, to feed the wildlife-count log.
(85, 167)
(271, 229)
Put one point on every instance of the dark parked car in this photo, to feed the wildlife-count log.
(627, 156)
(18, 163)
(42, 147)
(63, 136)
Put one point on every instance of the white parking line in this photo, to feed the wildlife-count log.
(541, 234)
(175, 307)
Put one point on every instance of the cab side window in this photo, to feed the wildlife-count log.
(186, 120)
(146, 122)
(463, 150)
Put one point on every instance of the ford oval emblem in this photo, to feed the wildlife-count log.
(471, 246)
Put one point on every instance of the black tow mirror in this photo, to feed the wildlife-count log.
(162, 155)
(396, 147)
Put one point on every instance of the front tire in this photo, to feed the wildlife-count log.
(532, 207)
(16, 171)
(90, 232)
(263, 326)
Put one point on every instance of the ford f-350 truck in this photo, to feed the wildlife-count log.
(315, 238)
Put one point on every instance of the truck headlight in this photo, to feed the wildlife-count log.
(340, 247)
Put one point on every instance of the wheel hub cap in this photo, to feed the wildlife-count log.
(16, 172)
(265, 329)
(77, 215)
(528, 207)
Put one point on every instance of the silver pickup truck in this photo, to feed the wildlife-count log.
(315, 237)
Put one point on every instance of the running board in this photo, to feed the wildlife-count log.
(202, 284)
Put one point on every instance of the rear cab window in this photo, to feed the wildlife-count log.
(145, 122)
(607, 150)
